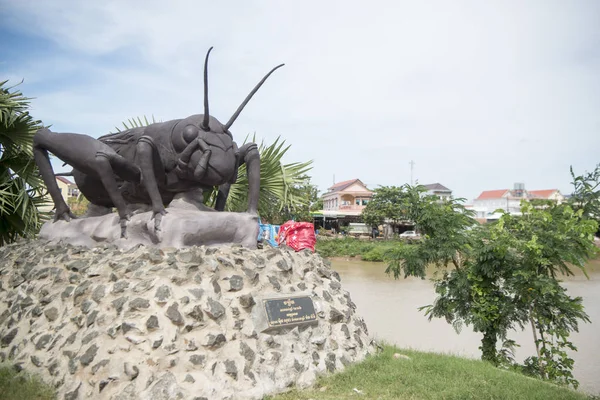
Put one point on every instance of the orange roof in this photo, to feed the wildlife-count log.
(64, 180)
(492, 194)
(542, 194)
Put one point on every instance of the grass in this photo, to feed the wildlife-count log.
(381, 377)
(428, 376)
(369, 250)
(22, 386)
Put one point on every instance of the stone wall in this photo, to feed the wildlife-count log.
(164, 324)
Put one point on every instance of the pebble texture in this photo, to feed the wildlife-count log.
(150, 323)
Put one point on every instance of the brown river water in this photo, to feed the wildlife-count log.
(390, 309)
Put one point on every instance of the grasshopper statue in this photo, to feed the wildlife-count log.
(151, 164)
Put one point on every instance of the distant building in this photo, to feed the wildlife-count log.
(67, 189)
(510, 200)
(437, 189)
(549, 194)
(347, 198)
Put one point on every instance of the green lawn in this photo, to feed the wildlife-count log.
(428, 376)
(22, 386)
(380, 377)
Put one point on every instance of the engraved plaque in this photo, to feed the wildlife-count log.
(290, 311)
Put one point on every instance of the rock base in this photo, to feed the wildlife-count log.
(165, 324)
(180, 227)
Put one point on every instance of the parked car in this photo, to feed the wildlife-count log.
(409, 235)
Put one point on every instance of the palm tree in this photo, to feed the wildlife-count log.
(278, 182)
(21, 188)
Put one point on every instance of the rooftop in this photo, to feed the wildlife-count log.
(437, 187)
(343, 185)
(64, 180)
(492, 194)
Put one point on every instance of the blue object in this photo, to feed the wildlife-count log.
(268, 233)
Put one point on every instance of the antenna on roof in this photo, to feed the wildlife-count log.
(334, 179)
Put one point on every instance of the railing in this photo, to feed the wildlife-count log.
(352, 208)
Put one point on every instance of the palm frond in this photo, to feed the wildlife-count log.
(276, 180)
(21, 189)
(136, 122)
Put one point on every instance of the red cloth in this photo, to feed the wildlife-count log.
(298, 235)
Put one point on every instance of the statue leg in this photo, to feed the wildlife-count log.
(250, 156)
(223, 193)
(45, 167)
(104, 168)
(222, 196)
(183, 162)
(147, 157)
(200, 169)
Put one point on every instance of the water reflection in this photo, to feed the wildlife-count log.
(390, 308)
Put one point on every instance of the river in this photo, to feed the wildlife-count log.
(390, 309)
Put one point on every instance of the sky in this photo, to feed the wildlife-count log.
(479, 94)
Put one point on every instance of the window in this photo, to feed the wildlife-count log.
(365, 202)
(357, 202)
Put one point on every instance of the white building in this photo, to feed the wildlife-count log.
(510, 200)
(437, 189)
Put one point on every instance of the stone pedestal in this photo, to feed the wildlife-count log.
(152, 323)
(180, 227)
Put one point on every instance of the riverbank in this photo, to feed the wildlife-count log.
(405, 374)
(349, 247)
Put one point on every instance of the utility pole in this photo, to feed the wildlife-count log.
(412, 165)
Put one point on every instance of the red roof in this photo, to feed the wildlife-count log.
(492, 194)
(542, 194)
(64, 180)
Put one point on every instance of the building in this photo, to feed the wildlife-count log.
(346, 198)
(67, 189)
(437, 189)
(549, 194)
(510, 200)
(343, 203)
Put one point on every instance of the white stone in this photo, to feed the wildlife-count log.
(164, 356)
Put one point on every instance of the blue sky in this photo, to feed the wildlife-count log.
(479, 94)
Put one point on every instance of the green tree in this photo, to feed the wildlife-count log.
(586, 193)
(445, 228)
(510, 280)
(388, 205)
(21, 189)
(499, 276)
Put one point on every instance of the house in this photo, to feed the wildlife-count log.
(510, 200)
(437, 189)
(343, 204)
(67, 189)
(347, 198)
(549, 194)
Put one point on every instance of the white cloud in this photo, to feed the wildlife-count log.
(479, 94)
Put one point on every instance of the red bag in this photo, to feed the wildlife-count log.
(298, 235)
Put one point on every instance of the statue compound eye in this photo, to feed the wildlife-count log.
(190, 133)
